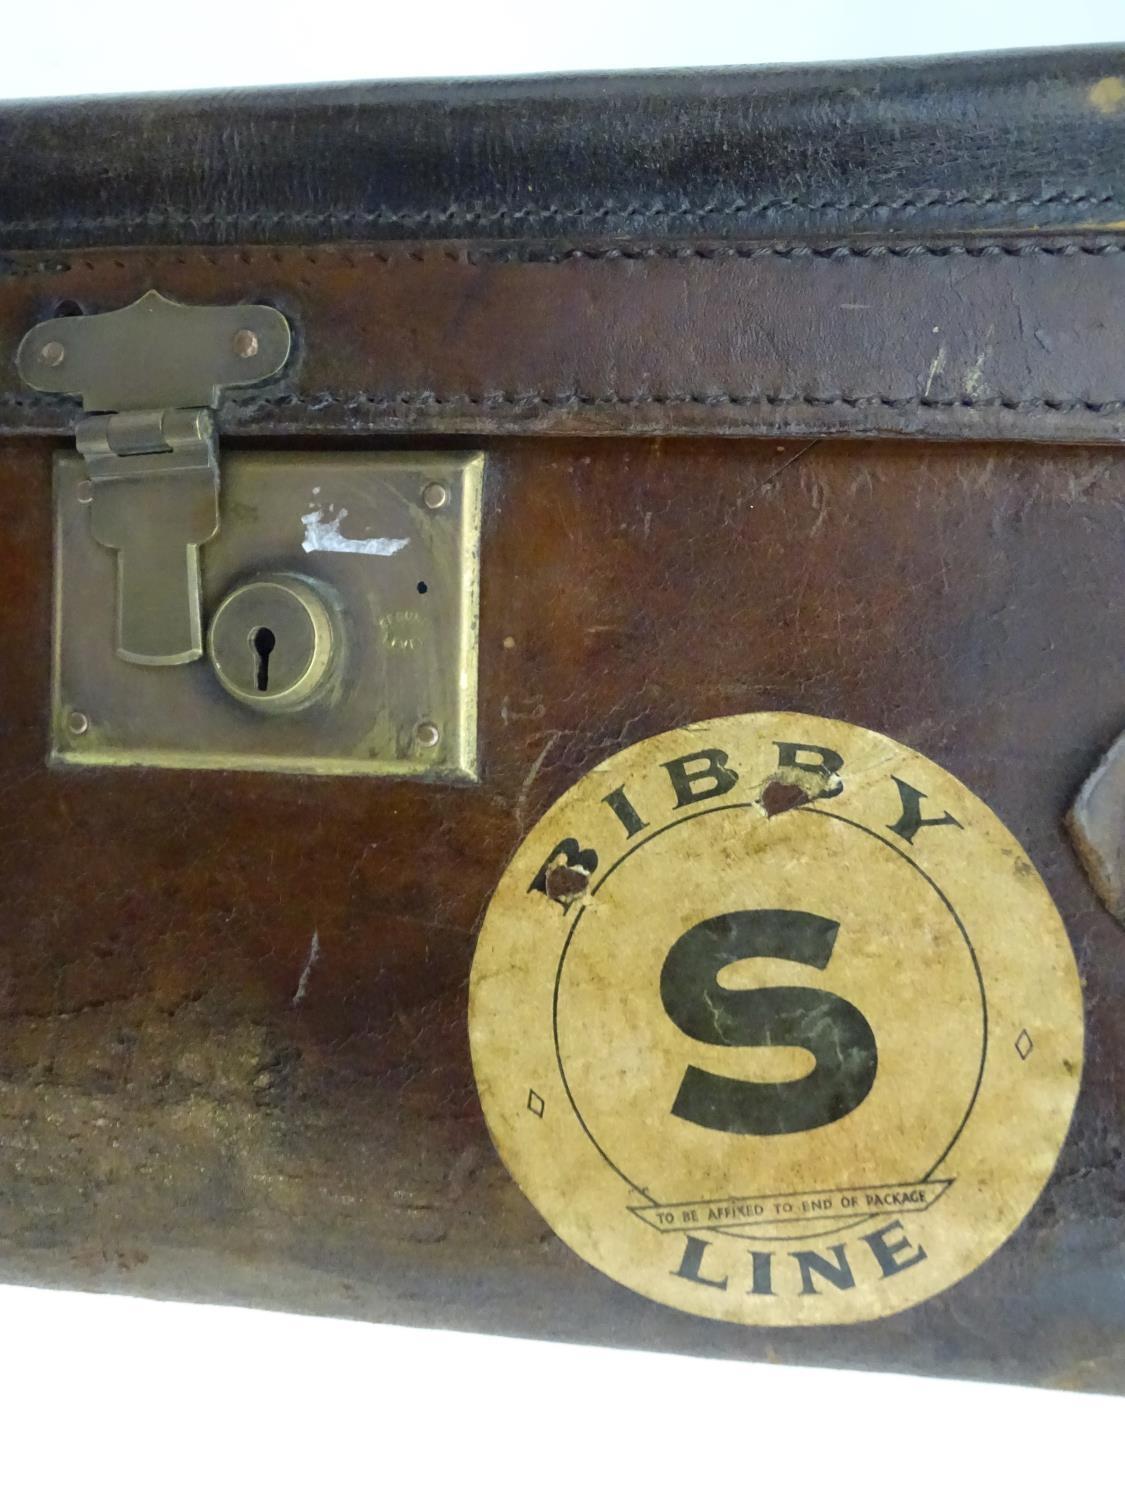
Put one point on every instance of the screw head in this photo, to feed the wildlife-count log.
(434, 496)
(245, 343)
(84, 491)
(427, 734)
(52, 352)
(77, 722)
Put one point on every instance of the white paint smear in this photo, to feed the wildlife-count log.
(322, 534)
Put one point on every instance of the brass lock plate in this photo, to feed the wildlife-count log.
(340, 603)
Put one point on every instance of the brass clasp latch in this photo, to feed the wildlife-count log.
(153, 372)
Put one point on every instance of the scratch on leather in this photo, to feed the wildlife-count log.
(306, 972)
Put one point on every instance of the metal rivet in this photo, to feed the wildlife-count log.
(77, 722)
(434, 496)
(52, 353)
(246, 343)
(84, 491)
(427, 734)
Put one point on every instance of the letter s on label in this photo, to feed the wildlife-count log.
(830, 1027)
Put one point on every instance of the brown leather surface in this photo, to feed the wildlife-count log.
(1018, 338)
(179, 1118)
(914, 146)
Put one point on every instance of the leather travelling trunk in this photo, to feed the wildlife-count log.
(797, 392)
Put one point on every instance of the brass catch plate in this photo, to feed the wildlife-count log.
(389, 542)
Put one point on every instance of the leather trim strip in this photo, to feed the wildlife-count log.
(1017, 338)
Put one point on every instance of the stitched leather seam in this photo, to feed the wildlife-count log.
(535, 255)
(320, 400)
(481, 215)
(724, 398)
(546, 255)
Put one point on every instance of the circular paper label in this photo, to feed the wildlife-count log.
(774, 1021)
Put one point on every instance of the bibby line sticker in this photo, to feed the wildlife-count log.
(773, 1021)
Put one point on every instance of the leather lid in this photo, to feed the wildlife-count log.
(988, 142)
(916, 248)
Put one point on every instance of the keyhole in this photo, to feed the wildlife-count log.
(263, 641)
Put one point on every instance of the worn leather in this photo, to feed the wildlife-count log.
(928, 248)
(1017, 140)
(233, 1051)
(976, 337)
(184, 1114)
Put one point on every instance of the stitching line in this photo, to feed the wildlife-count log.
(12, 265)
(534, 255)
(322, 400)
(568, 399)
(478, 214)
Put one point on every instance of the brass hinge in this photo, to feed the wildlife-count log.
(152, 372)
